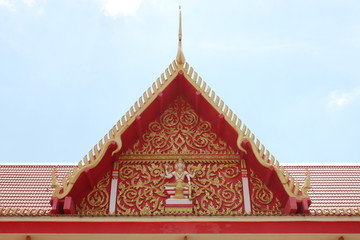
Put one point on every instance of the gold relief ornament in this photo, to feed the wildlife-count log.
(179, 130)
(218, 190)
(180, 173)
(96, 202)
(180, 200)
(140, 189)
(262, 198)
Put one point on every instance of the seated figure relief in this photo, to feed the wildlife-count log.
(179, 174)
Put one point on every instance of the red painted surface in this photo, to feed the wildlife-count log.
(180, 227)
(69, 206)
(89, 177)
(55, 205)
(291, 206)
(274, 184)
(82, 186)
(303, 205)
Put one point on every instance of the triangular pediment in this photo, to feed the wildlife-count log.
(180, 116)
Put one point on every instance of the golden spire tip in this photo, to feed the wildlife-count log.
(180, 58)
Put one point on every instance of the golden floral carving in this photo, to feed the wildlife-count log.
(140, 190)
(96, 202)
(217, 190)
(179, 130)
(262, 199)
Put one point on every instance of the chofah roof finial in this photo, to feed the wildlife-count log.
(180, 58)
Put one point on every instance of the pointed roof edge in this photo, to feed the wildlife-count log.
(96, 154)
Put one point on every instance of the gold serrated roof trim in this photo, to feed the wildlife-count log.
(336, 212)
(10, 211)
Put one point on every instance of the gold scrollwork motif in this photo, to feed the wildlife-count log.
(262, 199)
(96, 202)
(217, 190)
(179, 130)
(140, 190)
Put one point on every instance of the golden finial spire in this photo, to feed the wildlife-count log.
(180, 59)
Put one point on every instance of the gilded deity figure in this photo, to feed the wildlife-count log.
(180, 173)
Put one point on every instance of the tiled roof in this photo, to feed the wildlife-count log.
(331, 186)
(29, 186)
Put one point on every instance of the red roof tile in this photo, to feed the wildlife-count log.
(28, 186)
(331, 186)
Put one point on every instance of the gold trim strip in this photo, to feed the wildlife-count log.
(142, 161)
(179, 210)
(175, 157)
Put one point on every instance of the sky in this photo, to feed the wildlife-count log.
(70, 69)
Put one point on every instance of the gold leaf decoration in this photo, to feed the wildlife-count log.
(218, 190)
(262, 199)
(140, 190)
(96, 202)
(179, 130)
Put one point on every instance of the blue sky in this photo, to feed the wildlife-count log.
(70, 69)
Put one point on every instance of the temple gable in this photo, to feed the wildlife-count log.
(217, 171)
(179, 150)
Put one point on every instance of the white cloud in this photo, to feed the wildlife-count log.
(7, 4)
(28, 2)
(340, 99)
(113, 8)
(16, 5)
